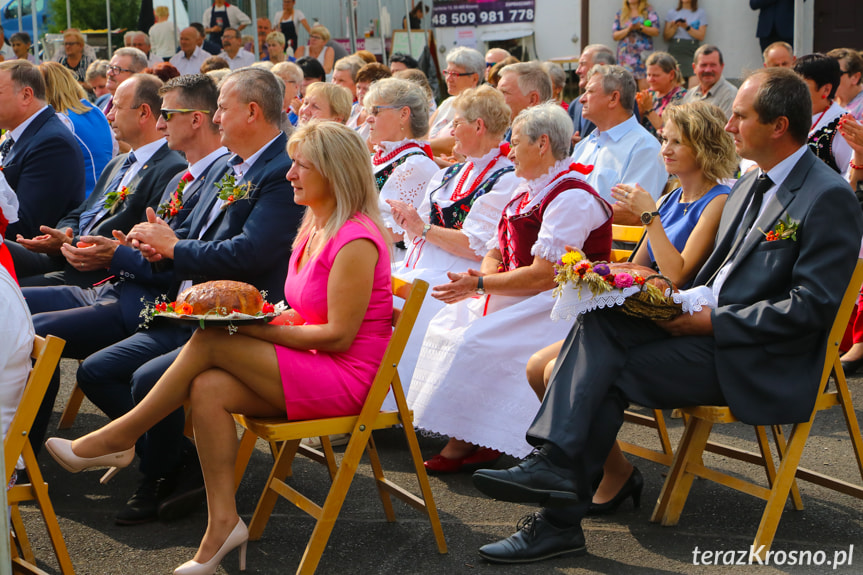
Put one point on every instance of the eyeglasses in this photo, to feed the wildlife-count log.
(71, 43)
(448, 74)
(167, 114)
(490, 64)
(375, 110)
(117, 69)
(457, 123)
(315, 37)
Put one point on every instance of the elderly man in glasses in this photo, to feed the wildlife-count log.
(124, 63)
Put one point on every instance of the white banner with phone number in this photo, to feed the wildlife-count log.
(451, 13)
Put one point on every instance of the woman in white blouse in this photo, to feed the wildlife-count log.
(461, 208)
(468, 382)
(398, 117)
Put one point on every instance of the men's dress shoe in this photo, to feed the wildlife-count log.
(535, 540)
(632, 488)
(534, 480)
(852, 366)
(184, 492)
(61, 451)
(141, 507)
(239, 537)
(479, 458)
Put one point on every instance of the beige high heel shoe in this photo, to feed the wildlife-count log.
(239, 537)
(61, 451)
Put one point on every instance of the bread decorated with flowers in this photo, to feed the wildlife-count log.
(222, 297)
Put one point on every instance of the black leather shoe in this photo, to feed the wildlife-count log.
(535, 540)
(534, 480)
(851, 367)
(141, 507)
(632, 488)
(186, 493)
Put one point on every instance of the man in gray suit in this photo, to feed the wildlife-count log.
(760, 350)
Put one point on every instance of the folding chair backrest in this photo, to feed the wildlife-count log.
(46, 352)
(628, 234)
(840, 324)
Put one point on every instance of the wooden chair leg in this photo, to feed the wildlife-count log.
(271, 492)
(244, 454)
(676, 488)
(663, 433)
(380, 480)
(848, 411)
(73, 404)
(40, 490)
(21, 539)
(779, 494)
(781, 443)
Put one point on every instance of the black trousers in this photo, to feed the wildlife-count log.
(608, 360)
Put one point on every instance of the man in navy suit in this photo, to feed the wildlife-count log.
(37, 149)
(775, 21)
(759, 348)
(248, 239)
(92, 318)
(128, 185)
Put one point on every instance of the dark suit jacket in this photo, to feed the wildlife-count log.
(779, 300)
(774, 13)
(45, 167)
(146, 190)
(249, 241)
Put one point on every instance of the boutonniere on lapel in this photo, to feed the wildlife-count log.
(784, 230)
(172, 207)
(230, 191)
(115, 198)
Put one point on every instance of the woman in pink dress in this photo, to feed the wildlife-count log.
(338, 281)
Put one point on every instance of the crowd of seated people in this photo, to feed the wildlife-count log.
(355, 173)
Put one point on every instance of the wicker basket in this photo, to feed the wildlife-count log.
(643, 304)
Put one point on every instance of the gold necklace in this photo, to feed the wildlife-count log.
(705, 189)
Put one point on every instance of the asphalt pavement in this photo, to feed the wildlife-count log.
(363, 542)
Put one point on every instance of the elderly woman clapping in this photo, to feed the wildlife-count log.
(461, 206)
(468, 383)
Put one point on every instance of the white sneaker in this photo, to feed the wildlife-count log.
(335, 440)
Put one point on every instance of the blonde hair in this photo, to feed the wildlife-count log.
(74, 33)
(162, 11)
(321, 31)
(62, 90)
(339, 98)
(642, 10)
(486, 103)
(702, 129)
(342, 158)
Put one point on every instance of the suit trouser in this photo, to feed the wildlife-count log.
(34, 268)
(85, 318)
(608, 360)
(118, 377)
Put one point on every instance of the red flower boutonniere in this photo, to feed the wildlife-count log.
(172, 207)
(784, 230)
(115, 198)
(230, 191)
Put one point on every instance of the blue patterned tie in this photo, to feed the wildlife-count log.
(6, 146)
(88, 218)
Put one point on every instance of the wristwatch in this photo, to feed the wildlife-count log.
(426, 229)
(647, 217)
(479, 289)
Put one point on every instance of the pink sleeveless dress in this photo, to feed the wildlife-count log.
(329, 384)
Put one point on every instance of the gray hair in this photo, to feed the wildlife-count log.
(531, 78)
(259, 86)
(350, 63)
(550, 119)
(98, 69)
(555, 73)
(289, 71)
(139, 59)
(617, 79)
(404, 93)
(666, 62)
(601, 54)
(472, 61)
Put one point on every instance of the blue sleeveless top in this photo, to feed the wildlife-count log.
(679, 219)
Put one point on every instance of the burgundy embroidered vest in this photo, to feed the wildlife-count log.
(518, 233)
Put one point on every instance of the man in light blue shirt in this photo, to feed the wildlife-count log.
(620, 149)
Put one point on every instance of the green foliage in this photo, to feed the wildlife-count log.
(91, 14)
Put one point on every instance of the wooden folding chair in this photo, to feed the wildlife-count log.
(285, 436)
(700, 420)
(16, 444)
(73, 405)
(663, 455)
